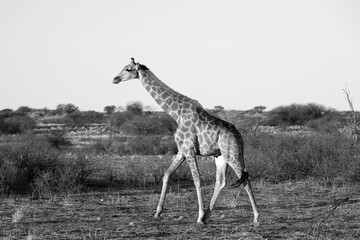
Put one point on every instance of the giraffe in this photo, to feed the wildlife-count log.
(198, 133)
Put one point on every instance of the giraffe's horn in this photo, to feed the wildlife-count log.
(132, 60)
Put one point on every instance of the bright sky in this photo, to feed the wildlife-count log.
(235, 53)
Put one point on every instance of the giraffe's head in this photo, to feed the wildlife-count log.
(130, 71)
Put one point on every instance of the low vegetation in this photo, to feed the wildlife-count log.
(303, 160)
(56, 155)
(32, 164)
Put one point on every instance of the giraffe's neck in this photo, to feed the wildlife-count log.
(168, 99)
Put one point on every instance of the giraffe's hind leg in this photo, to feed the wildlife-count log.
(244, 179)
(220, 183)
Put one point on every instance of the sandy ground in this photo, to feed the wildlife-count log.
(301, 210)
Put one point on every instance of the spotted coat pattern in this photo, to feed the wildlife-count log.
(198, 133)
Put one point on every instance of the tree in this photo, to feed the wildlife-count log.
(109, 109)
(135, 107)
(295, 114)
(218, 108)
(259, 109)
(24, 110)
(70, 108)
(60, 108)
(66, 108)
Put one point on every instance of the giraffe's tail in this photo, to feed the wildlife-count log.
(242, 180)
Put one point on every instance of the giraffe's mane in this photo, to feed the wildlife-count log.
(152, 75)
(143, 67)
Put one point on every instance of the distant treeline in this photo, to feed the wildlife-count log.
(137, 119)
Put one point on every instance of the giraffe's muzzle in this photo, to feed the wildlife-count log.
(116, 80)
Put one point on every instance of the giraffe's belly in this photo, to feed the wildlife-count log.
(209, 150)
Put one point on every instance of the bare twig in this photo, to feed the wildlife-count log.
(354, 121)
(315, 226)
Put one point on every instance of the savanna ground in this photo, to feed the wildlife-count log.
(289, 210)
(63, 177)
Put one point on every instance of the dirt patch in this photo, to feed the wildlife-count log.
(301, 210)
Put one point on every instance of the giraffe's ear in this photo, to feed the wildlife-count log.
(132, 61)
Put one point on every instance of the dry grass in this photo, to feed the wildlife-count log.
(289, 211)
(302, 209)
(19, 213)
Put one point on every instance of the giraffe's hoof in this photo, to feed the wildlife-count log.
(200, 221)
(206, 215)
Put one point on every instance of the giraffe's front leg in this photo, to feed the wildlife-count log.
(177, 160)
(196, 177)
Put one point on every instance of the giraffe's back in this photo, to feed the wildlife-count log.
(209, 135)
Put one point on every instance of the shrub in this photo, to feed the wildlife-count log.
(29, 163)
(24, 110)
(117, 119)
(143, 146)
(295, 114)
(67, 177)
(168, 125)
(58, 139)
(279, 158)
(166, 147)
(89, 117)
(328, 123)
(16, 124)
(150, 124)
(98, 147)
(140, 172)
(150, 145)
(5, 113)
(23, 160)
(141, 126)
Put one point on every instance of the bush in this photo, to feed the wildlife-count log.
(150, 145)
(5, 113)
(151, 124)
(141, 126)
(16, 124)
(88, 117)
(295, 114)
(330, 122)
(23, 160)
(67, 177)
(140, 172)
(58, 139)
(29, 163)
(284, 157)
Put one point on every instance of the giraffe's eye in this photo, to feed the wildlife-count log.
(128, 69)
